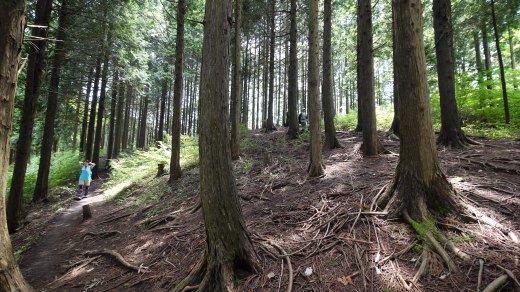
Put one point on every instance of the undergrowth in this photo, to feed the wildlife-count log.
(135, 166)
(64, 172)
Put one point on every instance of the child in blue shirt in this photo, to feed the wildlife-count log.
(85, 178)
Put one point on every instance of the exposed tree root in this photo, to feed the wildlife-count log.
(455, 250)
(103, 234)
(425, 262)
(480, 271)
(455, 139)
(211, 274)
(512, 276)
(496, 284)
(114, 254)
(428, 236)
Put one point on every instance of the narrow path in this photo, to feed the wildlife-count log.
(45, 260)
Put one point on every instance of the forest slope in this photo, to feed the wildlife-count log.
(317, 222)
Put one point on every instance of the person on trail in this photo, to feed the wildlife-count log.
(85, 178)
(302, 121)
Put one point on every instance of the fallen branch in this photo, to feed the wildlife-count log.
(496, 284)
(115, 255)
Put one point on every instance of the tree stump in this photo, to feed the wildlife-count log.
(267, 158)
(87, 213)
(160, 169)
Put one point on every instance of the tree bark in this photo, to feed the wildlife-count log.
(235, 85)
(93, 106)
(42, 182)
(15, 209)
(228, 244)
(365, 79)
(451, 132)
(419, 187)
(113, 112)
(118, 135)
(141, 139)
(327, 100)
(478, 57)
(127, 117)
(84, 124)
(316, 157)
(394, 128)
(269, 125)
(501, 64)
(175, 164)
(164, 95)
(12, 24)
(487, 54)
(101, 109)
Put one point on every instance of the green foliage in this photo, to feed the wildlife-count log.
(64, 172)
(348, 122)
(140, 164)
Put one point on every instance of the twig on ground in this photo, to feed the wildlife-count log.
(119, 258)
(357, 217)
(374, 201)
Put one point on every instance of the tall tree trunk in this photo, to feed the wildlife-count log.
(93, 106)
(478, 58)
(141, 139)
(12, 24)
(512, 53)
(331, 141)
(228, 245)
(118, 135)
(487, 54)
(84, 124)
(128, 116)
(293, 75)
(235, 85)
(164, 95)
(501, 64)
(113, 111)
(451, 133)
(419, 187)
(245, 92)
(101, 109)
(15, 210)
(365, 79)
(269, 125)
(76, 120)
(316, 157)
(175, 164)
(394, 128)
(42, 181)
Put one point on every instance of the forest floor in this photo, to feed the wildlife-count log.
(319, 223)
